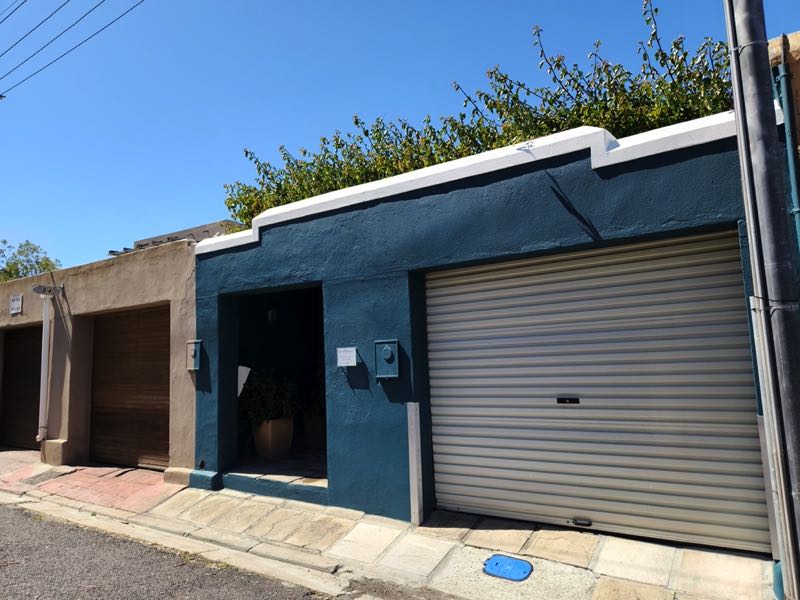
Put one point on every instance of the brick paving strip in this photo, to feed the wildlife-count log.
(338, 551)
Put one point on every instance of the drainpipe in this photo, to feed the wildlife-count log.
(46, 293)
(775, 293)
(785, 94)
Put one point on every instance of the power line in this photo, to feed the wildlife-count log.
(42, 22)
(81, 18)
(7, 8)
(16, 8)
(75, 47)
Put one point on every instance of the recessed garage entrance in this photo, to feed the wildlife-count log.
(610, 389)
(20, 394)
(130, 388)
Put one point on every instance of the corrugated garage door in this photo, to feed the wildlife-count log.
(652, 339)
(22, 358)
(130, 388)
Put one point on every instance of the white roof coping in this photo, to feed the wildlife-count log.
(605, 150)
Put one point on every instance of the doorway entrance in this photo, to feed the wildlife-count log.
(281, 391)
(20, 387)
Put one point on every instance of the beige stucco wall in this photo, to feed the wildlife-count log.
(160, 275)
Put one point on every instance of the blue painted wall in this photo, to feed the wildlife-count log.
(369, 261)
(367, 426)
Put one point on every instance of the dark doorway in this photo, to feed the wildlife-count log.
(20, 394)
(281, 344)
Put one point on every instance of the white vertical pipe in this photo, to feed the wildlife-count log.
(414, 461)
(44, 373)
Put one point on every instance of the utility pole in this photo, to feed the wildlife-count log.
(775, 299)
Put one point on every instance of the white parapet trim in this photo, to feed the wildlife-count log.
(604, 149)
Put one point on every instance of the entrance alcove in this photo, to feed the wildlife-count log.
(280, 350)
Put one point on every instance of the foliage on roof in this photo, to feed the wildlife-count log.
(672, 84)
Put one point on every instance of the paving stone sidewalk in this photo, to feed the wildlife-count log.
(332, 544)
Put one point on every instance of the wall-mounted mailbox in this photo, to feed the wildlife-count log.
(193, 355)
(387, 359)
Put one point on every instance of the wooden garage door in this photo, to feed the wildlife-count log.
(130, 388)
(611, 387)
(20, 399)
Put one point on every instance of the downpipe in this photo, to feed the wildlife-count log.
(787, 105)
(46, 293)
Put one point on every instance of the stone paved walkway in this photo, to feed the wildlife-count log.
(446, 554)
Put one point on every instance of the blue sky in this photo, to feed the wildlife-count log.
(135, 133)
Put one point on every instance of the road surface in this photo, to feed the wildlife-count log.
(50, 560)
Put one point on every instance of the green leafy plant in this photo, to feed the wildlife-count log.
(672, 84)
(265, 398)
(24, 260)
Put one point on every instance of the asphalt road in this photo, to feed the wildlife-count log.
(44, 559)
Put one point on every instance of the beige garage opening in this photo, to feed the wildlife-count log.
(19, 418)
(611, 387)
(130, 388)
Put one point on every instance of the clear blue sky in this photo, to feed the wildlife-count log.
(135, 133)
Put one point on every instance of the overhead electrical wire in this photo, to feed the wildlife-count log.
(16, 8)
(42, 22)
(75, 47)
(7, 8)
(78, 20)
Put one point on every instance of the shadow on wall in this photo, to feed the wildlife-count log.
(398, 391)
(582, 219)
(358, 377)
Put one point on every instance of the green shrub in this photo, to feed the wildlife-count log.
(265, 397)
(672, 84)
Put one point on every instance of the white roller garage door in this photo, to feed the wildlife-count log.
(651, 341)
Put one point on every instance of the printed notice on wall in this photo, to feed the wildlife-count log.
(346, 357)
(15, 304)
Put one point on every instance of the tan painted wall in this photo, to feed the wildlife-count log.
(164, 274)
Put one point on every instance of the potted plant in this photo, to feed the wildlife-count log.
(271, 404)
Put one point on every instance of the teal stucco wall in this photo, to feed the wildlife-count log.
(369, 261)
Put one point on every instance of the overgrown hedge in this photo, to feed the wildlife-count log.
(672, 84)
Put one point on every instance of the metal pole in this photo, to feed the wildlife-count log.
(771, 252)
(777, 485)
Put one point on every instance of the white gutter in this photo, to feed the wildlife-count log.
(46, 293)
(604, 148)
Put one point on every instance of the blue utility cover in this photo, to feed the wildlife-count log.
(507, 567)
(387, 360)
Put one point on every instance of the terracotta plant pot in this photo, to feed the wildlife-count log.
(315, 431)
(273, 438)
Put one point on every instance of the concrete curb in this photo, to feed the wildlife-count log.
(377, 558)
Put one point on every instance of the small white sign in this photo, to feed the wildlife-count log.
(15, 304)
(346, 357)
